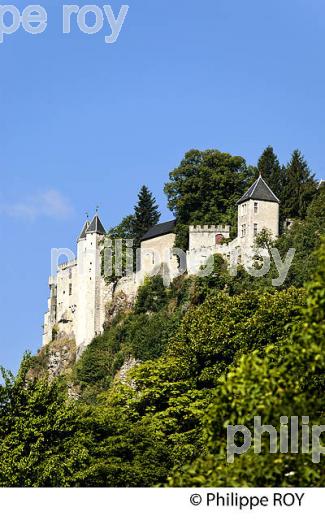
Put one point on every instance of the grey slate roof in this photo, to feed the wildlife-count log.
(84, 229)
(96, 226)
(160, 229)
(259, 191)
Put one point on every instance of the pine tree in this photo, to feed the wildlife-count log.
(272, 172)
(132, 227)
(300, 187)
(146, 214)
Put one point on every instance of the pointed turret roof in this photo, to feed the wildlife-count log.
(96, 226)
(259, 191)
(84, 230)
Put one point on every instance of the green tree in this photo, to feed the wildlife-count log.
(218, 280)
(300, 187)
(264, 240)
(272, 172)
(287, 379)
(152, 295)
(304, 236)
(204, 189)
(270, 169)
(155, 417)
(42, 438)
(146, 214)
(129, 232)
(122, 233)
(124, 229)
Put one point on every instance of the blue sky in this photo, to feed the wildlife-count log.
(86, 123)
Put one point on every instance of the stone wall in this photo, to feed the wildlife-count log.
(79, 295)
(206, 236)
(156, 253)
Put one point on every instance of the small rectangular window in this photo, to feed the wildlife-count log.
(255, 230)
(70, 289)
(255, 207)
(243, 230)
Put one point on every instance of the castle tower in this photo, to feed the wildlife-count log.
(258, 209)
(89, 282)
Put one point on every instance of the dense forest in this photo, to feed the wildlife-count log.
(202, 354)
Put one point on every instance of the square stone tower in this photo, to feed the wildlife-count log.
(258, 209)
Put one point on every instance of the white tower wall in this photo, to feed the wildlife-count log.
(89, 290)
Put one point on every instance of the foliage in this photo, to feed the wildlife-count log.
(272, 172)
(287, 380)
(214, 365)
(157, 420)
(204, 189)
(304, 236)
(123, 230)
(218, 280)
(141, 335)
(214, 334)
(123, 241)
(43, 441)
(299, 189)
(152, 295)
(118, 253)
(264, 240)
(146, 214)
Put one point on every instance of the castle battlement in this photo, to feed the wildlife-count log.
(222, 228)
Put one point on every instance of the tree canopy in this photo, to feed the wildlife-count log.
(299, 188)
(146, 214)
(204, 189)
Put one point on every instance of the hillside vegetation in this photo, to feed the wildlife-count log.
(204, 353)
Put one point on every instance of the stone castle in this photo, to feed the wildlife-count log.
(79, 294)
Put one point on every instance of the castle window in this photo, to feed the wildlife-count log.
(255, 229)
(244, 209)
(70, 289)
(255, 207)
(243, 230)
(219, 238)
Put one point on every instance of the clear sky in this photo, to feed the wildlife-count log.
(86, 123)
